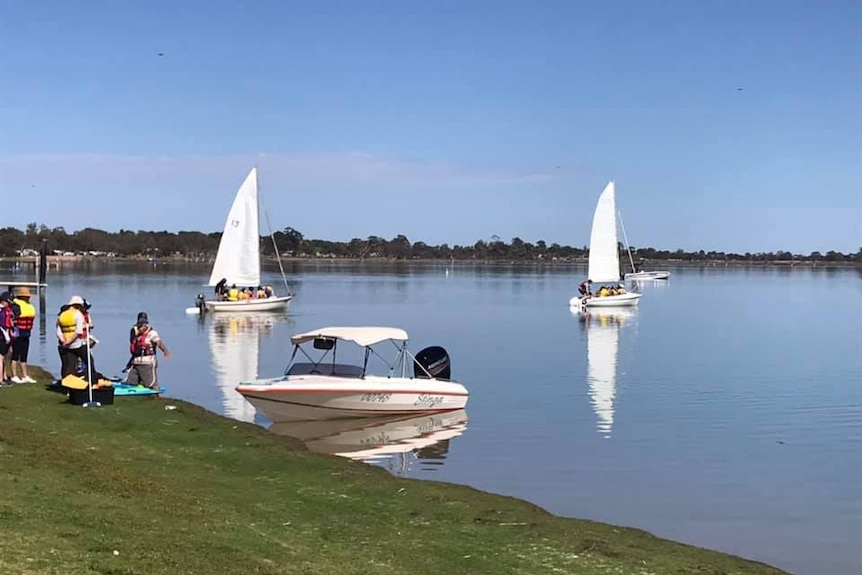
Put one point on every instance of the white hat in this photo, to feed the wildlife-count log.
(76, 300)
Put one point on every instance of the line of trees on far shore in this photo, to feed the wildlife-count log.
(291, 242)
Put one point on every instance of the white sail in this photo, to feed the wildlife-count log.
(234, 343)
(238, 258)
(604, 264)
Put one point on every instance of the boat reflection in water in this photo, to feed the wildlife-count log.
(396, 442)
(603, 331)
(234, 343)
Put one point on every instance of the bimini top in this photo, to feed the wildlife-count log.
(363, 336)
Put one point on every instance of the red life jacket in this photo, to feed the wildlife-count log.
(86, 333)
(8, 318)
(140, 346)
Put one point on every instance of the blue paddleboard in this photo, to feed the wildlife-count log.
(125, 389)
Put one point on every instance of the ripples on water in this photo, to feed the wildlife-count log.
(725, 411)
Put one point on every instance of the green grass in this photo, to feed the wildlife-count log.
(133, 488)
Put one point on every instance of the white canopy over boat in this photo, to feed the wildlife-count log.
(363, 336)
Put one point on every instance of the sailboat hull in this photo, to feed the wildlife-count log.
(647, 275)
(250, 305)
(626, 299)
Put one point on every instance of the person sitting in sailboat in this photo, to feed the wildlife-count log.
(269, 291)
(221, 289)
(233, 293)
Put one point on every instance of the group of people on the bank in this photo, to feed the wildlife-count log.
(17, 316)
(586, 289)
(76, 342)
(233, 293)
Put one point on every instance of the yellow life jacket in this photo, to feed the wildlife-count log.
(26, 315)
(68, 321)
(232, 294)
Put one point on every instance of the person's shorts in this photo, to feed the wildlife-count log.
(142, 374)
(20, 349)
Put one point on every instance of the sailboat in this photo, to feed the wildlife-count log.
(604, 263)
(238, 260)
(638, 274)
(234, 341)
(603, 334)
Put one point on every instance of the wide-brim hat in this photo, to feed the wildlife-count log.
(23, 291)
(76, 300)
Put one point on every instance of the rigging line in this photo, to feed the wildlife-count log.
(274, 245)
(628, 249)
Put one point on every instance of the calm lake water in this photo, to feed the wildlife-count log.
(725, 412)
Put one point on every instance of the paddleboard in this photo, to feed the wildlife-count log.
(124, 389)
(120, 388)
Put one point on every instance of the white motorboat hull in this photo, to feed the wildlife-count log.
(626, 299)
(263, 304)
(310, 397)
(647, 276)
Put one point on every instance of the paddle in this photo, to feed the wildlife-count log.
(90, 403)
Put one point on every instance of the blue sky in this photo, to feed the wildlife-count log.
(448, 121)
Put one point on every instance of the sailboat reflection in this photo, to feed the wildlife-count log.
(603, 331)
(234, 343)
(394, 442)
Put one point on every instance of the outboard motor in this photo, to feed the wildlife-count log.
(200, 303)
(435, 360)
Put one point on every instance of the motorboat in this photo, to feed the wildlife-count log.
(317, 385)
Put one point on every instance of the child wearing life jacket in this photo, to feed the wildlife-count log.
(7, 334)
(25, 316)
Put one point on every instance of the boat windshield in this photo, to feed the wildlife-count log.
(329, 356)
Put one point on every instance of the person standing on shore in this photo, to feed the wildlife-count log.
(25, 315)
(72, 334)
(143, 347)
(7, 334)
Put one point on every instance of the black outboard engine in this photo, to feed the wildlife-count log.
(435, 360)
(200, 303)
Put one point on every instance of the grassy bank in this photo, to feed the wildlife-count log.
(133, 488)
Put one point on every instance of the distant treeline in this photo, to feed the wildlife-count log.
(290, 242)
